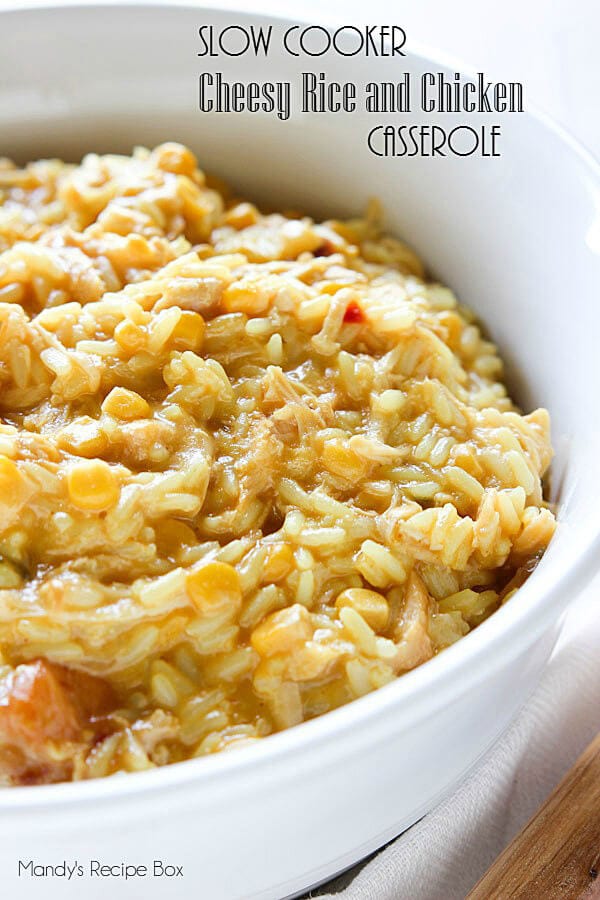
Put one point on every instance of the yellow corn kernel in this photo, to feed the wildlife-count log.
(172, 535)
(246, 297)
(188, 334)
(242, 215)
(373, 607)
(332, 287)
(279, 562)
(15, 489)
(214, 588)
(92, 485)
(344, 462)
(130, 336)
(124, 404)
(282, 631)
(173, 157)
(83, 437)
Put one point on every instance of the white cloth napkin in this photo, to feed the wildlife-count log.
(445, 854)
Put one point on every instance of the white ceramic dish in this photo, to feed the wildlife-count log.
(519, 239)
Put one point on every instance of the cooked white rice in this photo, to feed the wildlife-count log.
(251, 467)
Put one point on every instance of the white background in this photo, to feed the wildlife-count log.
(552, 46)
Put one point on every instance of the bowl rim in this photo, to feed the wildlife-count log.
(541, 598)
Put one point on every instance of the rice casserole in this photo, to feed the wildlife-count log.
(251, 467)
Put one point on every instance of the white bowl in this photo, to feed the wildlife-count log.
(518, 238)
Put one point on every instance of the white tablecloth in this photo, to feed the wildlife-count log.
(444, 855)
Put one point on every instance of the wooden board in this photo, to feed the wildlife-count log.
(557, 854)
